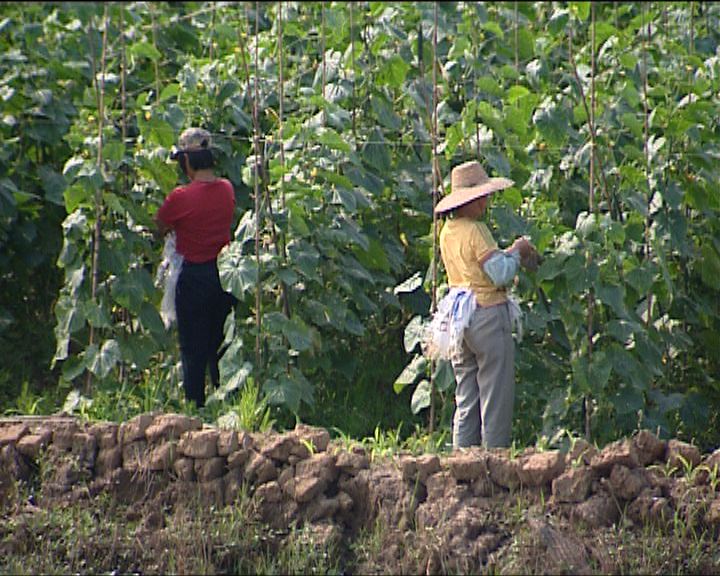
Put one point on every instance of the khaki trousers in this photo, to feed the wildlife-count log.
(485, 380)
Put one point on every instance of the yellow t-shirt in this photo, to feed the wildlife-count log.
(464, 245)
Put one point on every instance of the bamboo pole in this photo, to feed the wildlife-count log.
(322, 19)
(516, 31)
(256, 190)
(593, 134)
(646, 150)
(280, 242)
(592, 209)
(155, 62)
(123, 136)
(281, 109)
(253, 89)
(100, 103)
(352, 69)
(435, 176)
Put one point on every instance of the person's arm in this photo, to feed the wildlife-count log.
(165, 216)
(162, 228)
(502, 266)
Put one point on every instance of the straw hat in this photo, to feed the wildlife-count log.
(468, 182)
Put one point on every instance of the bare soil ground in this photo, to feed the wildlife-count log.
(638, 506)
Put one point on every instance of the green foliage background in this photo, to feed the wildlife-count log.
(622, 318)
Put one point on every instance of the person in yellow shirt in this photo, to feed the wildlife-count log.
(477, 314)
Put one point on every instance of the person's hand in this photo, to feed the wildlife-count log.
(522, 246)
(528, 253)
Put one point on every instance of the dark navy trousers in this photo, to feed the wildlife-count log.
(201, 306)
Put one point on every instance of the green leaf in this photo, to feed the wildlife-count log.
(375, 152)
(580, 9)
(331, 139)
(364, 179)
(235, 382)
(410, 373)
(580, 374)
(525, 44)
(552, 122)
(238, 272)
(75, 196)
(170, 91)
(392, 72)
(101, 362)
(384, 112)
(129, 289)
(158, 132)
(641, 277)
(298, 224)
(444, 377)
(612, 296)
(137, 349)
(586, 224)
(114, 151)
(710, 267)
(628, 400)
(413, 335)
(150, 319)
(54, 185)
(493, 28)
(375, 257)
(305, 258)
(489, 85)
(145, 50)
(299, 334)
(622, 330)
(421, 397)
(289, 389)
(552, 267)
(410, 285)
(558, 21)
(72, 368)
(599, 371)
(96, 314)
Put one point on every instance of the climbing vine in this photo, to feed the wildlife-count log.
(338, 125)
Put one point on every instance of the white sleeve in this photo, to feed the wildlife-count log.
(501, 267)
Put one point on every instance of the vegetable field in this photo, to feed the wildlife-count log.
(338, 124)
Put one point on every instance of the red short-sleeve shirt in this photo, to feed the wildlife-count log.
(201, 214)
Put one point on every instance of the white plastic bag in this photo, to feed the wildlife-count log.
(167, 275)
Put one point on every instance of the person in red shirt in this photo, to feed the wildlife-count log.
(200, 213)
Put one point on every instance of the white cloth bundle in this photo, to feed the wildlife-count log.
(444, 334)
(167, 275)
(516, 316)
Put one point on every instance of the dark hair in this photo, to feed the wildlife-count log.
(200, 159)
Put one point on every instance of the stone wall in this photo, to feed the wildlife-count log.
(301, 476)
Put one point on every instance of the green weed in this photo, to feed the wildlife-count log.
(249, 412)
(27, 403)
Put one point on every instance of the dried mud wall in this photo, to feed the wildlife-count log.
(300, 476)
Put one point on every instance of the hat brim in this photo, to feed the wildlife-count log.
(465, 195)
